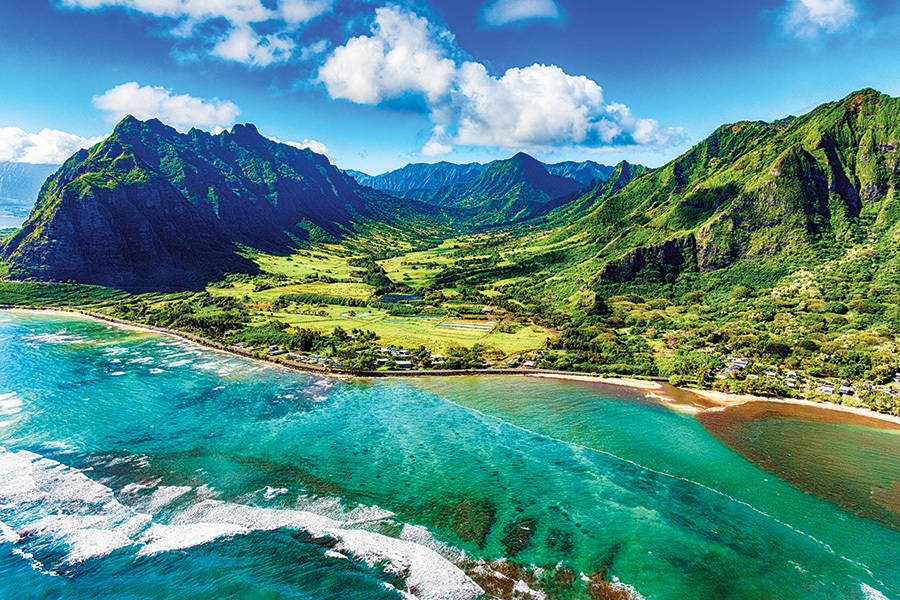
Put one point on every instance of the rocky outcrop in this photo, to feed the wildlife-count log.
(657, 262)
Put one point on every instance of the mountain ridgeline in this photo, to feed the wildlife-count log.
(151, 207)
(800, 189)
(428, 176)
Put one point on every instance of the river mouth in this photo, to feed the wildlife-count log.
(845, 458)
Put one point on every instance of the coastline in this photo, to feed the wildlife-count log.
(688, 400)
(722, 401)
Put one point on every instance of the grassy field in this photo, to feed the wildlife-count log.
(324, 269)
(434, 333)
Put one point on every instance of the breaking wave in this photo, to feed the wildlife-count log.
(43, 501)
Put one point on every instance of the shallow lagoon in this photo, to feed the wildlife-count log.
(157, 468)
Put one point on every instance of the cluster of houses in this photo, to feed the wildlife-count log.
(791, 380)
(313, 359)
(526, 362)
(400, 356)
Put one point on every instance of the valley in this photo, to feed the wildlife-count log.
(763, 261)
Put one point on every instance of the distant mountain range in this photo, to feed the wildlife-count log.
(19, 186)
(151, 206)
(419, 176)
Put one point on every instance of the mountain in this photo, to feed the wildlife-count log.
(585, 173)
(420, 176)
(507, 191)
(151, 207)
(797, 192)
(19, 186)
(436, 175)
(620, 176)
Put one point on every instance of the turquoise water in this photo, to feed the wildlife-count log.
(136, 466)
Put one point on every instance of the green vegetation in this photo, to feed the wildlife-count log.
(778, 243)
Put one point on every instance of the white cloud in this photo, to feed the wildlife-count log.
(314, 145)
(182, 111)
(239, 40)
(503, 12)
(313, 50)
(49, 146)
(536, 107)
(242, 44)
(405, 54)
(809, 18)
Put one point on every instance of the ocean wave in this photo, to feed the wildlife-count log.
(41, 498)
(143, 360)
(870, 593)
(10, 403)
(60, 337)
(7, 535)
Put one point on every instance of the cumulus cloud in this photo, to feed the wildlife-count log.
(537, 107)
(405, 54)
(237, 23)
(182, 111)
(809, 18)
(49, 146)
(504, 12)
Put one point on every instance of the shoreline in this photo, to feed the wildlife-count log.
(723, 401)
(687, 400)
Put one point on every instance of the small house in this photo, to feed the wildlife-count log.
(403, 364)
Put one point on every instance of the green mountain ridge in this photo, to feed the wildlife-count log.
(150, 207)
(802, 188)
(516, 189)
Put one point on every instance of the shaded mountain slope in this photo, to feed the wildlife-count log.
(151, 207)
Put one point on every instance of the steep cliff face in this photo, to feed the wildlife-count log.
(798, 188)
(150, 207)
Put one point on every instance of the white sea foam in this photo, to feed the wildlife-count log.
(179, 363)
(164, 496)
(60, 337)
(117, 373)
(271, 492)
(423, 569)
(870, 593)
(143, 360)
(10, 403)
(45, 498)
(7, 535)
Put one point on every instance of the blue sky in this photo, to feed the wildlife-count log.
(379, 84)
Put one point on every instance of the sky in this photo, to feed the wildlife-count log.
(377, 84)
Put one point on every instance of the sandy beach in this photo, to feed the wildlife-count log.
(642, 384)
(720, 401)
(687, 400)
